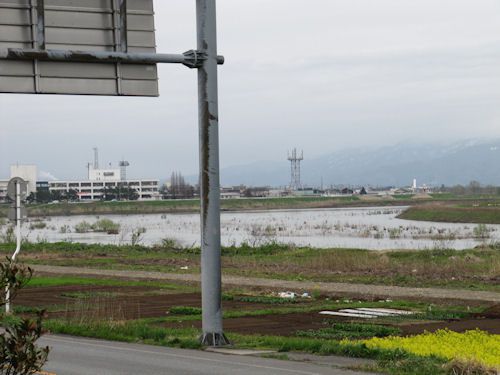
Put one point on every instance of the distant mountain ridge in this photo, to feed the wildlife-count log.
(432, 164)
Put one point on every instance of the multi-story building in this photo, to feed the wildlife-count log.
(3, 190)
(99, 180)
(88, 190)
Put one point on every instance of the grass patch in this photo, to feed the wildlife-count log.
(131, 331)
(185, 310)
(390, 361)
(475, 269)
(46, 281)
(340, 331)
(260, 299)
(453, 214)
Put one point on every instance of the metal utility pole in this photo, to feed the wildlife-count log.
(16, 190)
(213, 334)
(138, 60)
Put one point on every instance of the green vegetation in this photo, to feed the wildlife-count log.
(19, 353)
(475, 269)
(475, 345)
(185, 310)
(187, 205)
(103, 225)
(88, 295)
(99, 318)
(259, 299)
(192, 205)
(48, 281)
(453, 214)
(481, 232)
(341, 331)
(38, 225)
(389, 361)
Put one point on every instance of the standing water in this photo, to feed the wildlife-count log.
(364, 228)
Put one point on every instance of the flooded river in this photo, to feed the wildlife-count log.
(366, 228)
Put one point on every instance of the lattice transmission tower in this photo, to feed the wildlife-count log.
(295, 160)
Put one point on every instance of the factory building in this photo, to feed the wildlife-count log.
(100, 180)
(88, 190)
(27, 172)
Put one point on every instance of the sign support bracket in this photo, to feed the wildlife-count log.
(206, 60)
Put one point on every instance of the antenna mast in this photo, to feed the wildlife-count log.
(295, 160)
(96, 158)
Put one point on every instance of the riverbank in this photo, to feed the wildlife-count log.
(453, 214)
(243, 204)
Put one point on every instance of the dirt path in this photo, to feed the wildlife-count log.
(338, 289)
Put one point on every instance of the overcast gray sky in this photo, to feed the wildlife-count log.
(321, 75)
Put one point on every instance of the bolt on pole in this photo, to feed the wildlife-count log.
(213, 334)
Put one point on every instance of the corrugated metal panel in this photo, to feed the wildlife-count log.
(78, 25)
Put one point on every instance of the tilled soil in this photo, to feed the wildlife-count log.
(129, 303)
(126, 303)
(278, 325)
(288, 324)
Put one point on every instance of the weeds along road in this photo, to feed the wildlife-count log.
(75, 356)
(351, 290)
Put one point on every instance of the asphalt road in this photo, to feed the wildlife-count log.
(77, 356)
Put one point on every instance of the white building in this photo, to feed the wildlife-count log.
(3, 189)
(94, 190)
(27, 172)
(104, 174)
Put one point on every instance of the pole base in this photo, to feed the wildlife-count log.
(214, 339)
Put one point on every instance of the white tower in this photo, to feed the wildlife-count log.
(123, 170)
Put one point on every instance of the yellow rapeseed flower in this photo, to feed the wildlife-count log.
(472, 345)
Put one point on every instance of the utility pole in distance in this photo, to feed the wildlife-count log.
(206, 20)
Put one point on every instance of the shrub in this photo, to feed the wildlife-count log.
(481, 231)
(107, 226)
(19, 354)
(340, 331)
(83, 227)
(185, 310)
(38, 225)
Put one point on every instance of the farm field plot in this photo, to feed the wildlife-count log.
(474, 269)
(252, 312)
(169, 314)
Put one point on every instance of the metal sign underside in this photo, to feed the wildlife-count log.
(125, 26)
